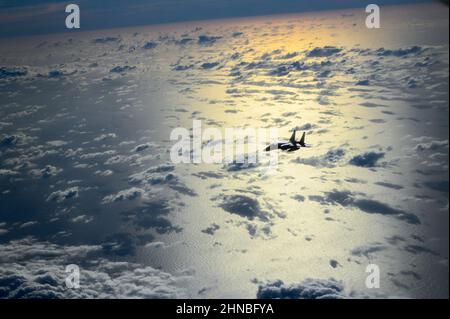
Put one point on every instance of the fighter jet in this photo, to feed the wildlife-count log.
(291, 146)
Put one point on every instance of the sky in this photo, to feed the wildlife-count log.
(29, 17)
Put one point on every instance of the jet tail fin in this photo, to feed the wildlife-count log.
(292, 139)
(302, 141)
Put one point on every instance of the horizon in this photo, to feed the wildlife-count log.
(47, 17)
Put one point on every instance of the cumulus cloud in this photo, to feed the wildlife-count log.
(236, 166)
(348, 199)
(124, 195)
(63, 195)
(150, 45)
(36, 270)
(27, 111)
(82, 219)
(57, 143)
(299, 198)
(28, 224)
(142, 147)
(210, 174)
(307, 289)
(369, 159)
(281, 70)
(55, 74)
(329, 159)
(161, 175)
(306, 127)
(103, 137)
(105, 40)
(12, 72)
(325, 51)
(104, 173)
(211, 229)
(122, 69)
(367, 250)
(389, 185)
(208, 40)
(244, 206)
(13, 140)
(209, 65)
(179, 67)
(414, 50)
(8, 172)
(153, 215)
(153, 175)
(363, 83)
(46, 172)
(123, 244)
(183, 41)
(435, 145)
(417, 249)
(94, 155)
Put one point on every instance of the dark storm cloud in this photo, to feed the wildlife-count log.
(370, 206)
(45, 16)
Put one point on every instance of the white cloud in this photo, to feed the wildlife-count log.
(124, 195)
(62, 195)
(32, 269)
